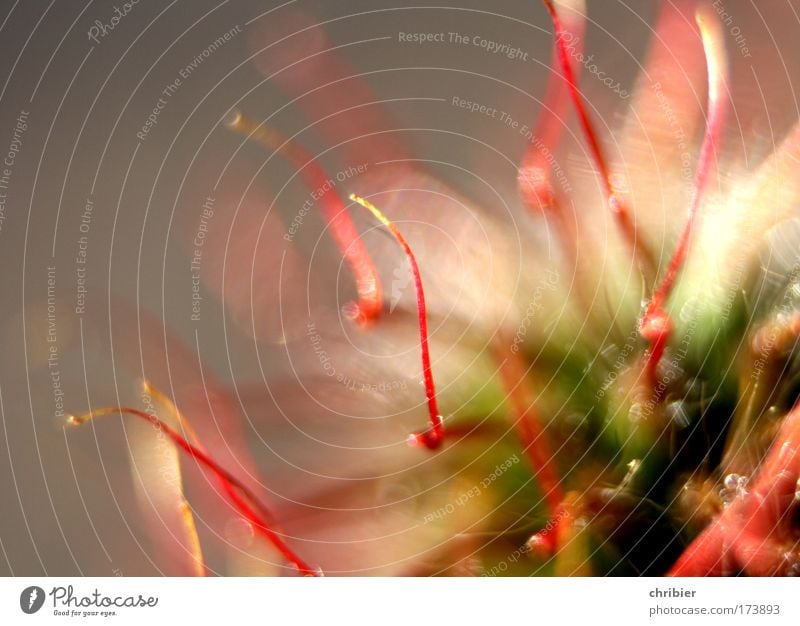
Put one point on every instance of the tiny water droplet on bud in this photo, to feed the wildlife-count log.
(734, 486)
(540, 546)
(731, 481)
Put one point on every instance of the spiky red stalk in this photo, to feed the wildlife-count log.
(241, 497)
(433, 436)
(754, 533)
(347, 238)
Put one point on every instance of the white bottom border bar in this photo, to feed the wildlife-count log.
(391, 601)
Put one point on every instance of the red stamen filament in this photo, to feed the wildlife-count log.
(534, 173)
(615, 203)
(433, 436)
(347, 238)
(656, 326)
(534, 176)
(529, 428)
(186, 426)
(241, 497)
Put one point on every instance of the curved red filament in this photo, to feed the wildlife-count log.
(241, 497)
(530, 430)
(616, 204)
(433, 436)
(533, 178)
(347, 238)
(655, 325)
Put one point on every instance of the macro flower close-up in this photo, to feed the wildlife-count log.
(365, 288)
